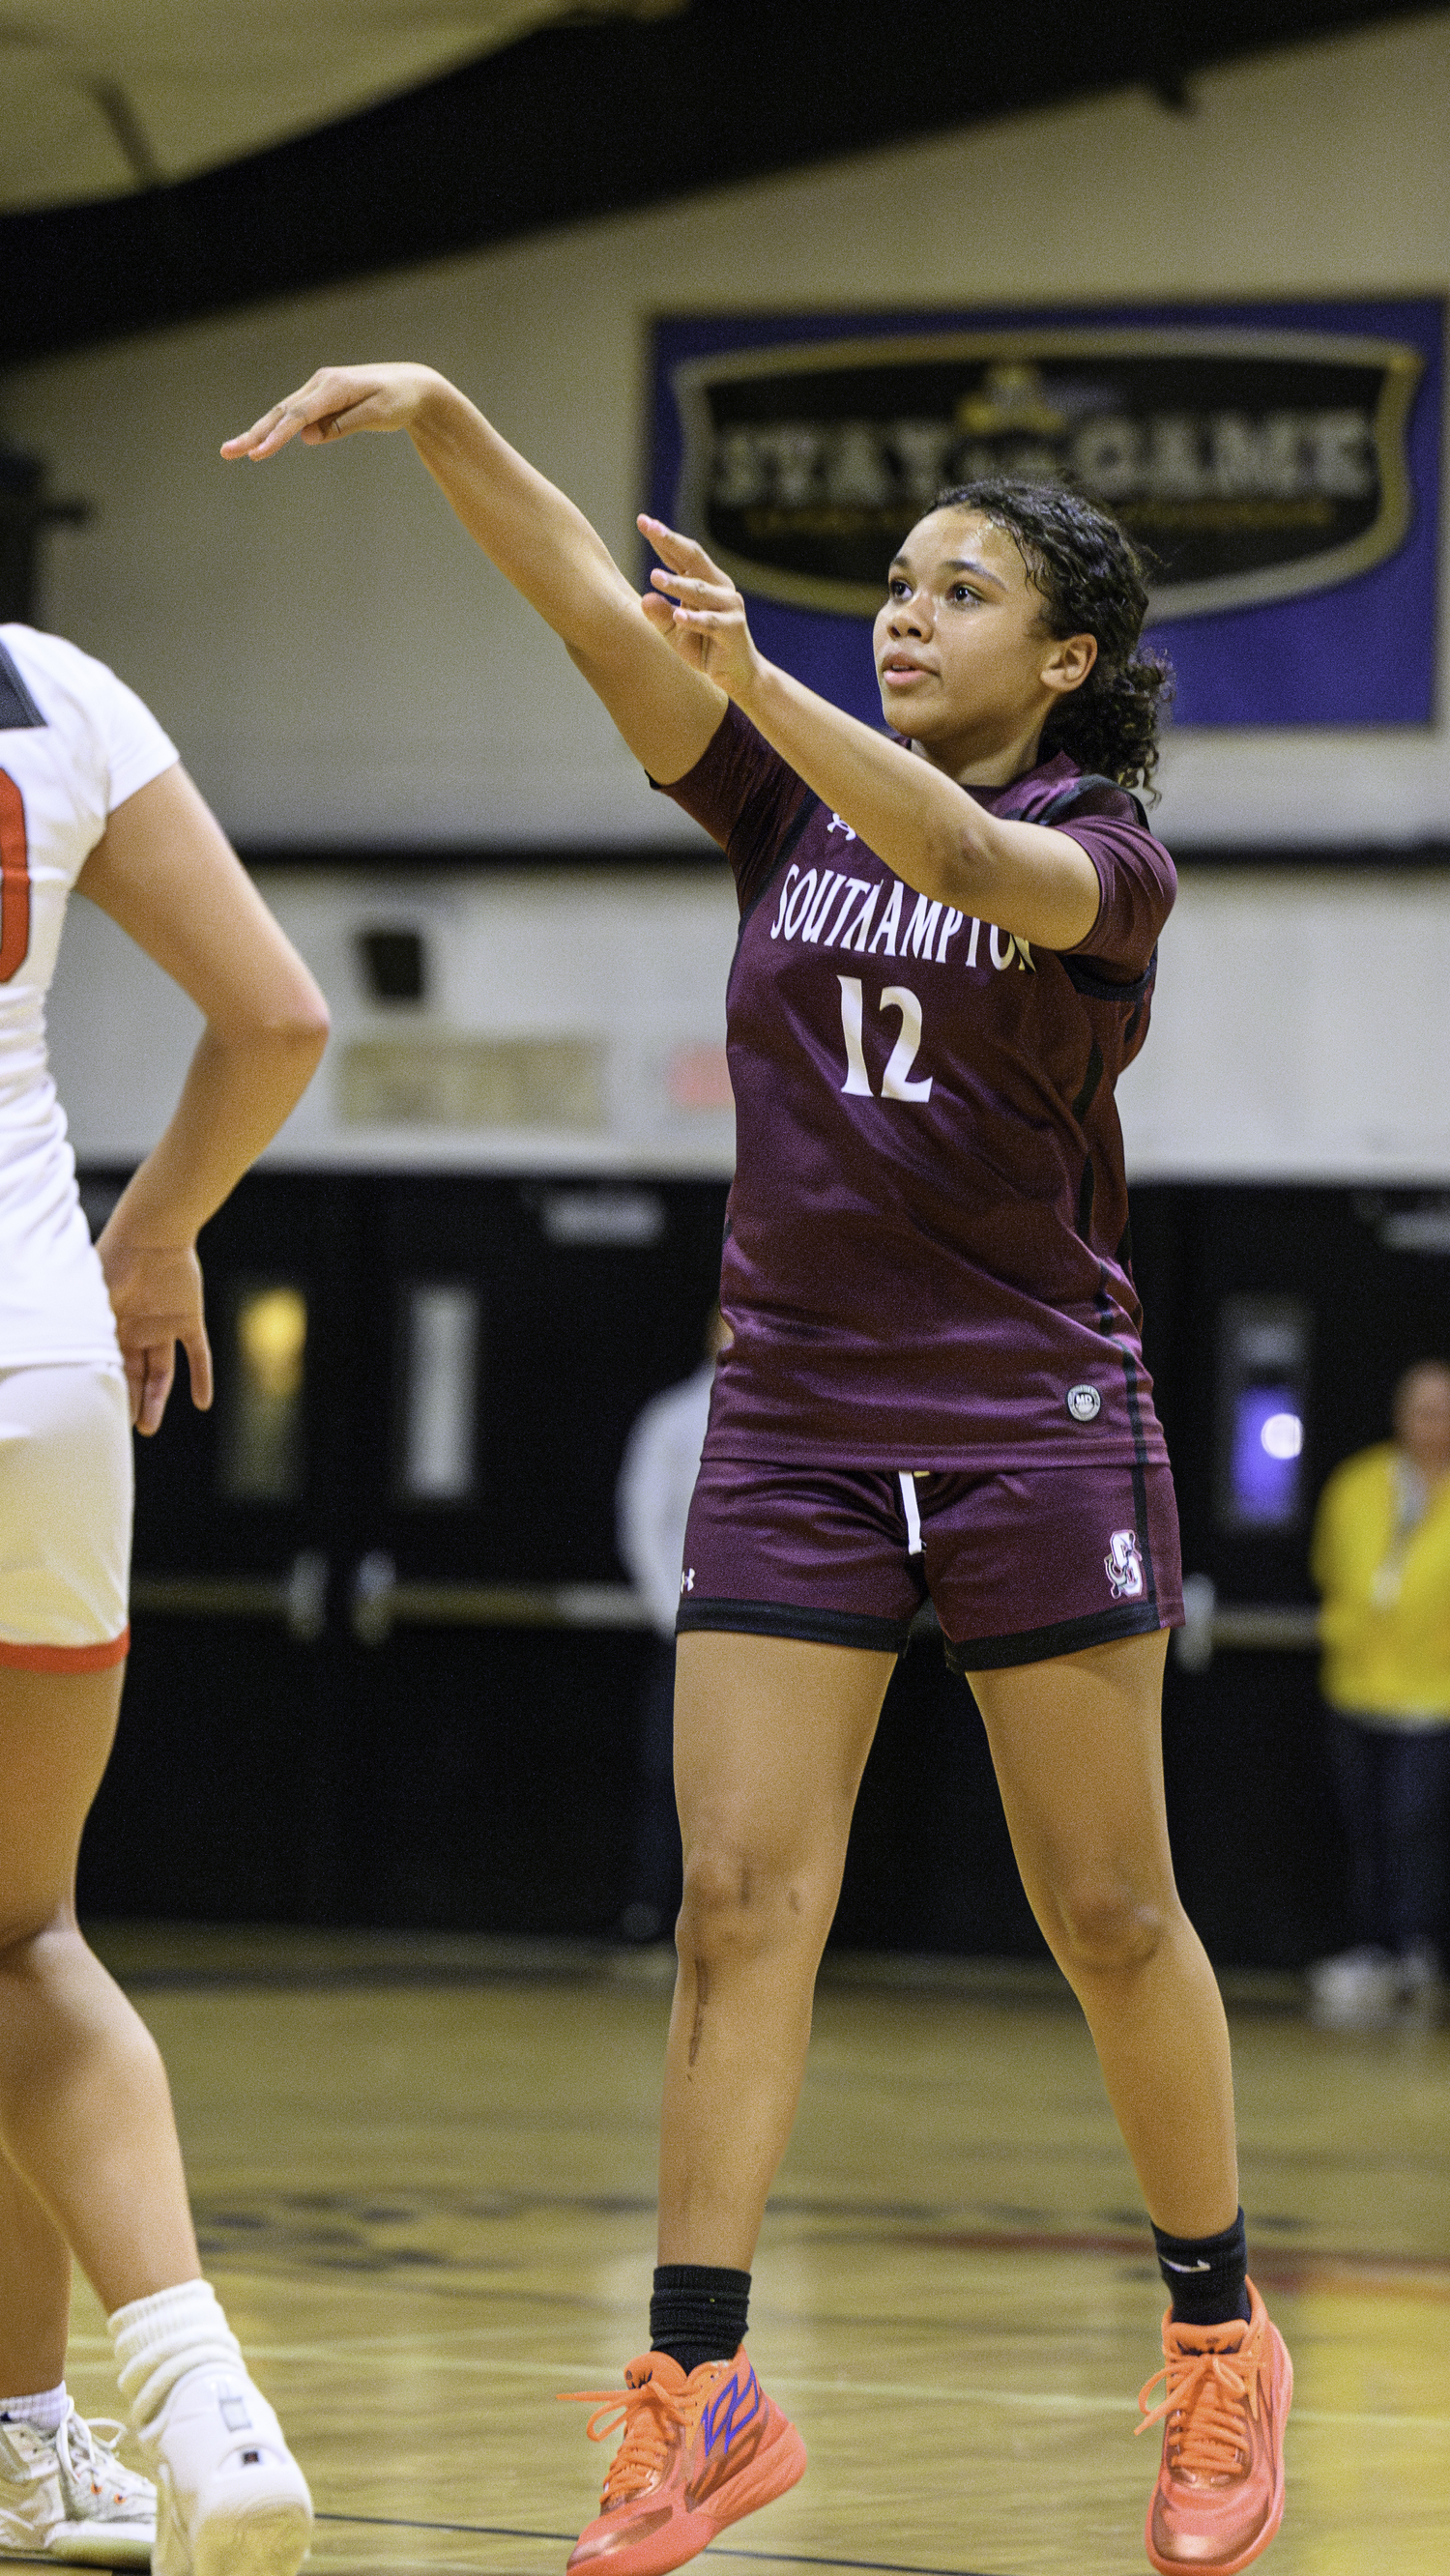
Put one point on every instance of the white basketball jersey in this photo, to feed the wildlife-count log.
(74, 744)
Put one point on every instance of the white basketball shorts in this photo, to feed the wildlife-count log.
(65, 1518)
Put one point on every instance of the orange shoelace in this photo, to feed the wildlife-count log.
(649, 2415)
(1205, 2394)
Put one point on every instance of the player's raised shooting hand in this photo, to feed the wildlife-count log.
(334, 403)
(156, 1296)
(698, 610)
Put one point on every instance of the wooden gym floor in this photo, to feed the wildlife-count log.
(424, 2172)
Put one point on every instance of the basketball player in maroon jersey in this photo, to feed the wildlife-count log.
(936, 1385)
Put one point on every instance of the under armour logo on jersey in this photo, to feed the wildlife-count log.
(1123, 1566)
(836, 825)
(687, 1580)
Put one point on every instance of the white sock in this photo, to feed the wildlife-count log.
(47, 2411)
(158, 2340)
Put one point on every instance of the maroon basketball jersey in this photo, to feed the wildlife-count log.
(926, 1259)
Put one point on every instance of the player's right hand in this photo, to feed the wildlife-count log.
(332, 404)
(156, 1298)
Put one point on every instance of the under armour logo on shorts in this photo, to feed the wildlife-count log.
(1123, 1566)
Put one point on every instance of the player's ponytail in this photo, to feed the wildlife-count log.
(1091, 582)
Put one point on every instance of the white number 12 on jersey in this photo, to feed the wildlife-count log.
(895, 1082)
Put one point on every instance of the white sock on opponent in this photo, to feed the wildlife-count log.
(47, 2411)
(158, 2340)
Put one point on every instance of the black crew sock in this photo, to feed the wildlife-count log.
(1205, 2275)
(697, 2313)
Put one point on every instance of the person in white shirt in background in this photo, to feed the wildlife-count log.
(92, 795)
(652, 1503)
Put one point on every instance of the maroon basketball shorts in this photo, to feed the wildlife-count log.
(1020, 1564)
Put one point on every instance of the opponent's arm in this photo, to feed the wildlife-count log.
(924, 827)
(539, 541)
(166, 873)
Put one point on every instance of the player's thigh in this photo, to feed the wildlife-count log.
(1077, 1745)
(56, 1733)
(797, 1594)
(65, 1530)
(771, 1739)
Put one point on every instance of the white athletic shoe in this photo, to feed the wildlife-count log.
(230, 2498)
(66, 2495)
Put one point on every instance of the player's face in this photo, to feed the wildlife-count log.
(1422, 1419)
(963, 658)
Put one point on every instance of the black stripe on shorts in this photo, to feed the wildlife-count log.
(785, 1619)
(1063, 1637)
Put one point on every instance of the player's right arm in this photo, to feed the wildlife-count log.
(166, 874)
(666, 712)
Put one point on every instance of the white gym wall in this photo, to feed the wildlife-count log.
(340, 666)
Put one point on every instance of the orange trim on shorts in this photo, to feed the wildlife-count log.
(67, 1659)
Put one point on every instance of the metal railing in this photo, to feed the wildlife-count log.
(298, 1598)
(1211, 1627)
(381, 1602)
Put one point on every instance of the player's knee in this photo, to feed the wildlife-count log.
(735, 1900)
(34, 1935)
(1109, 1925)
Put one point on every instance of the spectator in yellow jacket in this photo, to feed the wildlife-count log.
(1380, 1556)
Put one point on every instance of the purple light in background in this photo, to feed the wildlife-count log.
(1267, 1456)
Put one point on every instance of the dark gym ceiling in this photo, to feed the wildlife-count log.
(616, 106)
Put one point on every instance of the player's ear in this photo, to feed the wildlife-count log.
(1069, 660)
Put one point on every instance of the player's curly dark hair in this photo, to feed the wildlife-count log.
(1091, 581)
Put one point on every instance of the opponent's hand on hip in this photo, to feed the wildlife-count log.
(332, 404)
(699, 611)
(156, 1296)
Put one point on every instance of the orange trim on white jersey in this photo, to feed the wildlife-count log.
(66, 1659)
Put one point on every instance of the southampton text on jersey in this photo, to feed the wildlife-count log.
(826, 907)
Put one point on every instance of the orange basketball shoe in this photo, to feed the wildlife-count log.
(697, 2453)
(1220, 2494)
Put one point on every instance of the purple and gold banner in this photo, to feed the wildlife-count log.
(1277, 464)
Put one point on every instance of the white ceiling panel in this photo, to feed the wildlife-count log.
(102, 96)
(54, 139)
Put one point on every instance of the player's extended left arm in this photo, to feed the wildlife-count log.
(921, 824)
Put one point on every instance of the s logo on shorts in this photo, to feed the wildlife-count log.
(1123, 1566)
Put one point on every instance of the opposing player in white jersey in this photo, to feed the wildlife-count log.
(91, 794)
